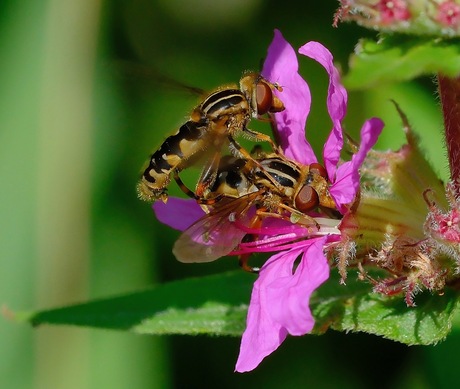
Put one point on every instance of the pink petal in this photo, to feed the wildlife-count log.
(280, 301)
(281, 66)
(346, 184)
(178, 213)
(336, 103)
(262, 335)
(289, 295)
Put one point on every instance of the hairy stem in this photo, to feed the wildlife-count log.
(449, 92)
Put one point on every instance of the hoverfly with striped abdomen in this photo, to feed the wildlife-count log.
(244, 195)
(223, 115)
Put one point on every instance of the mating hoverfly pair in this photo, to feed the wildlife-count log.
(230, 186)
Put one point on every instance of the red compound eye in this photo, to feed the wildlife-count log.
(317, 168)
(307, 199)
(264, 97)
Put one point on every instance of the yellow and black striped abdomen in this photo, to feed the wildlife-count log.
(284, 173)
(174, 154)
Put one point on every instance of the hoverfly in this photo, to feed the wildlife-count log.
(223, 114)
(243, 194)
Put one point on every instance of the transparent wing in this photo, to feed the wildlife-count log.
(146, 72)
(215, 234)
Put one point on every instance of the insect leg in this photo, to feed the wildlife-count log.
(293, 216)
(192, 194)
(244, 258)
(182, 186)
(243, 261)
(258, 136)
(246, 155)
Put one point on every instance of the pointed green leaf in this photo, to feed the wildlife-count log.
(355, 308)
(218, 305)
(396, 58)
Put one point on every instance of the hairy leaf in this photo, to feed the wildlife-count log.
(217, 305)
(354, 307)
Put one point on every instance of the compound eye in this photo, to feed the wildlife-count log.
(317, 168)
(307, 199)
(264, 97)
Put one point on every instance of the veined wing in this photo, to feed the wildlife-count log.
(216, 234)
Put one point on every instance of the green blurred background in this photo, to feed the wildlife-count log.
(78, 120)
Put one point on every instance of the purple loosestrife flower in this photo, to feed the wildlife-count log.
(280, 298)
(419, 17)
(409, 226)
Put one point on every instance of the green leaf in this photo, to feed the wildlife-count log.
(396, 58)
(213, 305)
(218, 305)
(355, 307)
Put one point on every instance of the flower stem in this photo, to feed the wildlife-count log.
(449, 92)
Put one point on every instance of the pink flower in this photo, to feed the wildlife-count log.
(393, 11)
(280, 298)
(378, 13)
(444, 225)
(449, 14)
